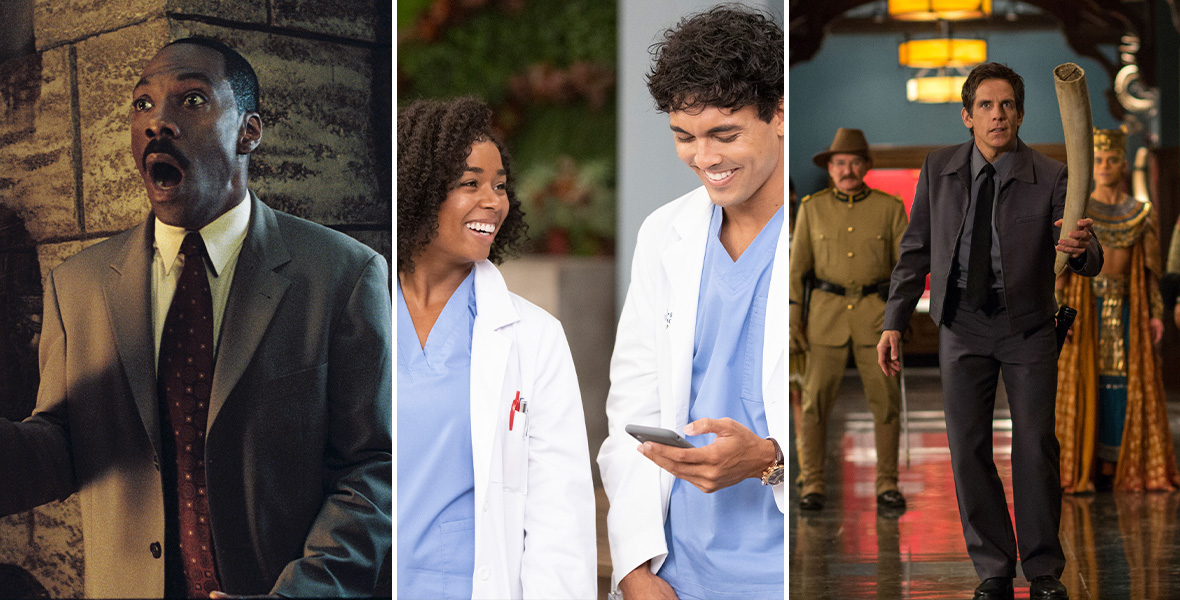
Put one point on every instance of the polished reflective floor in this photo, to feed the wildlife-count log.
(1117, 546)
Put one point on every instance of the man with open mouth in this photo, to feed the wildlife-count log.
(216, 382)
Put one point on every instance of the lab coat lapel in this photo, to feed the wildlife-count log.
(776, 313)
(127, 288)
(253, 297)
(682, 261)
(491, 349)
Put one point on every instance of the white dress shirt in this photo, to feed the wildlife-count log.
(223, 241)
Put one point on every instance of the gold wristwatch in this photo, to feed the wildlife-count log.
(773, 475)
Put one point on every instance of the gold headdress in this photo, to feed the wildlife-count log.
(1106, 140)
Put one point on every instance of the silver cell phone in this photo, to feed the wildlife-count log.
(658, 435)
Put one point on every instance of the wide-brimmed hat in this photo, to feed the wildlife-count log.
(847, 141)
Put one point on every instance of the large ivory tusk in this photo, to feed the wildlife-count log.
(1139, 187)
(1073, 98)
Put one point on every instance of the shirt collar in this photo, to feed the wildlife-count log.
(222, 237)
(1003, 164)
(857, 197)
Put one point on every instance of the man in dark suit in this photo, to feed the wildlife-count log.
(991, 293)
(258, 460)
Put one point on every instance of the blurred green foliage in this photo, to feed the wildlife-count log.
(408, 11)
(547, 68)
(480, 54)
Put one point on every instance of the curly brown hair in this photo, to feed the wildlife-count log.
(434, 139)
(729, 56)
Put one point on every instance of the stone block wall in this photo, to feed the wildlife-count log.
(66, 168)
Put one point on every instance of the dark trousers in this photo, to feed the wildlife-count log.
(974, 348)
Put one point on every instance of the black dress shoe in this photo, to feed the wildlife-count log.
(812, 501)
(994, 588)
(1047, 587)
(891, 499)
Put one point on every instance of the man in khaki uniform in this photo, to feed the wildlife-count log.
(846, 240)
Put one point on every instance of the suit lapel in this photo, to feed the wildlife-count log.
(1021, 171)
(959, 166)
(253, 297)
(127, 288)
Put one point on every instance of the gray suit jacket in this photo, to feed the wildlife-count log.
(299, 442)
(1028, 205)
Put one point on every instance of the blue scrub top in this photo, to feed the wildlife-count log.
(728, 545)
(435, 472)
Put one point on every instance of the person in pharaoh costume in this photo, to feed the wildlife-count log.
(1112, 419)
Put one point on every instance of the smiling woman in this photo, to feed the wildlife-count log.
(444, 147)
(486, 390)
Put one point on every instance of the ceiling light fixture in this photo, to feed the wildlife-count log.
(933, 10)
(941, 52)
(935, 89)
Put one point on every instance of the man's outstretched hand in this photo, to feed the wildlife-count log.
(1076, 242)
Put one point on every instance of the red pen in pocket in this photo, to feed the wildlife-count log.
(513, 409)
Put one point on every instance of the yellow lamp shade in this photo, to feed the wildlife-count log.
(935, 90)
(933, 10)
(942, 52)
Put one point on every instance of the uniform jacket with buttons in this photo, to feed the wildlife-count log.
(298, 443)
(851, 241)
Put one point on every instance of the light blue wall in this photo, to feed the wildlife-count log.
(855, 81)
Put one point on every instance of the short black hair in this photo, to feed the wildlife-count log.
(238, 71)
(730, 56)
(992, 70)
(434, 139)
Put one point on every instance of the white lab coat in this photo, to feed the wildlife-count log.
(651, 371)
(534, 498)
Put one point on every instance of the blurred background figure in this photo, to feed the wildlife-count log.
(846, 246)
(797, 360)
(1112, 419)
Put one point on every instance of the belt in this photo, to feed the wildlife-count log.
(993, 300)
(839, 290)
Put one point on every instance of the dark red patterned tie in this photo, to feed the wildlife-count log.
(185, 376)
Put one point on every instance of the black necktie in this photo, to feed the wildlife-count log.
(185, 380)
(979, 264)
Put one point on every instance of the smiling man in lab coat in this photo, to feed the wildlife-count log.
(700, 348)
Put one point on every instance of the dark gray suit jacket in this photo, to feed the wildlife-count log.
(299, 440)
(1028, 205)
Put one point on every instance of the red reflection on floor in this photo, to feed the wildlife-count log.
(927, 483)
(1122, 545)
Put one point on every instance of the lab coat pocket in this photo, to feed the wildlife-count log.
(516, 456)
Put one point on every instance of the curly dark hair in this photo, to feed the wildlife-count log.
(729, 56)
(434, 139)
(992, 71)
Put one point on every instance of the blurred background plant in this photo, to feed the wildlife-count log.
(547, 68)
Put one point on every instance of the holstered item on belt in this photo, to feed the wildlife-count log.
(1065, 316)
(881, 288)
(808, 285)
